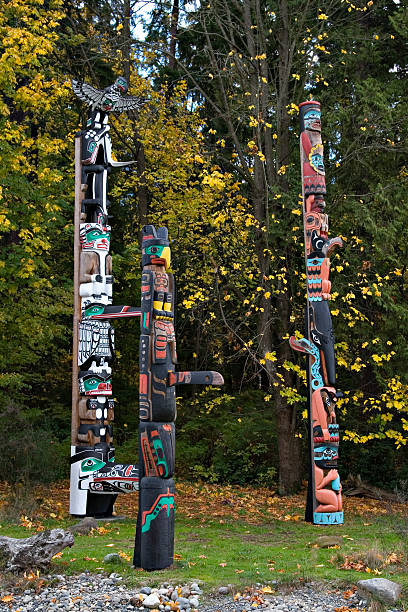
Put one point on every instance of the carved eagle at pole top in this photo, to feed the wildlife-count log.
(111, 99)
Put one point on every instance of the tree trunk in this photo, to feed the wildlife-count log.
(288, 447)
(142, 191)
(126, 45)
(173, 34)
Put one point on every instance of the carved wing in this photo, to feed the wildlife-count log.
(89, 334)
(129, 103)
(87, 93)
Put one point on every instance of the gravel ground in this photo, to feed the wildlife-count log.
(101, 592)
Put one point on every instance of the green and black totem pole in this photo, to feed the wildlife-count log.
(157, 403)
(324, 500)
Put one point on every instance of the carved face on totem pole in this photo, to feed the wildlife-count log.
(311, 117)
(94, 236)
(156, 247)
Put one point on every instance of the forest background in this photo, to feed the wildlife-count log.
(217, 162)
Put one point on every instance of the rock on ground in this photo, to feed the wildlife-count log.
(328, 541)
(112, 558)
(84, 526)
(380, 588)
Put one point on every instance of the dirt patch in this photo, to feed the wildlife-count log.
(195, 537)
(255, 538)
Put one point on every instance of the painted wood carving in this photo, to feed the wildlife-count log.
(157, 403)
(324, 502)
(96, 479)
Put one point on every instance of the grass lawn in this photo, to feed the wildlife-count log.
(241, 536)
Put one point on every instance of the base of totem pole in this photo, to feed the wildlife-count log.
(328, 518)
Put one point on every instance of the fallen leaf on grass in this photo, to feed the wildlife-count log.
(358, 566)
(393, 558)
(177, 556)
(267, 589)
(239, 571)
(89, 558)
(289, 517)
(58, 555)
(110, 546)
(222, 564)
(202, 557)
(31, 575)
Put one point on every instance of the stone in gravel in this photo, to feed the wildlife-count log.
(151, 601)
(328, 541)
(195, 588)
(111, 558)
(163, 591)
(174, 596)
(84, 526)
(146, 590)
(193, 602)
(382, 589)
(185, 591)
(224, 590)
(184, 604)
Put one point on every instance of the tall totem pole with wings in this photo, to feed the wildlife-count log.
(96, 479)
(324, 500)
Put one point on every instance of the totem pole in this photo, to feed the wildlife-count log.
(157, 403)
(324, 500)
(95, 477)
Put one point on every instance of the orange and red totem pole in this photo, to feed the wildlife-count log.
(324, 500)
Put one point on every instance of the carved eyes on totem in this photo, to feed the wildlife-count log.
(92, 464)
(326, 453)
(312, 114)
(152, 250)
(318, 244)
